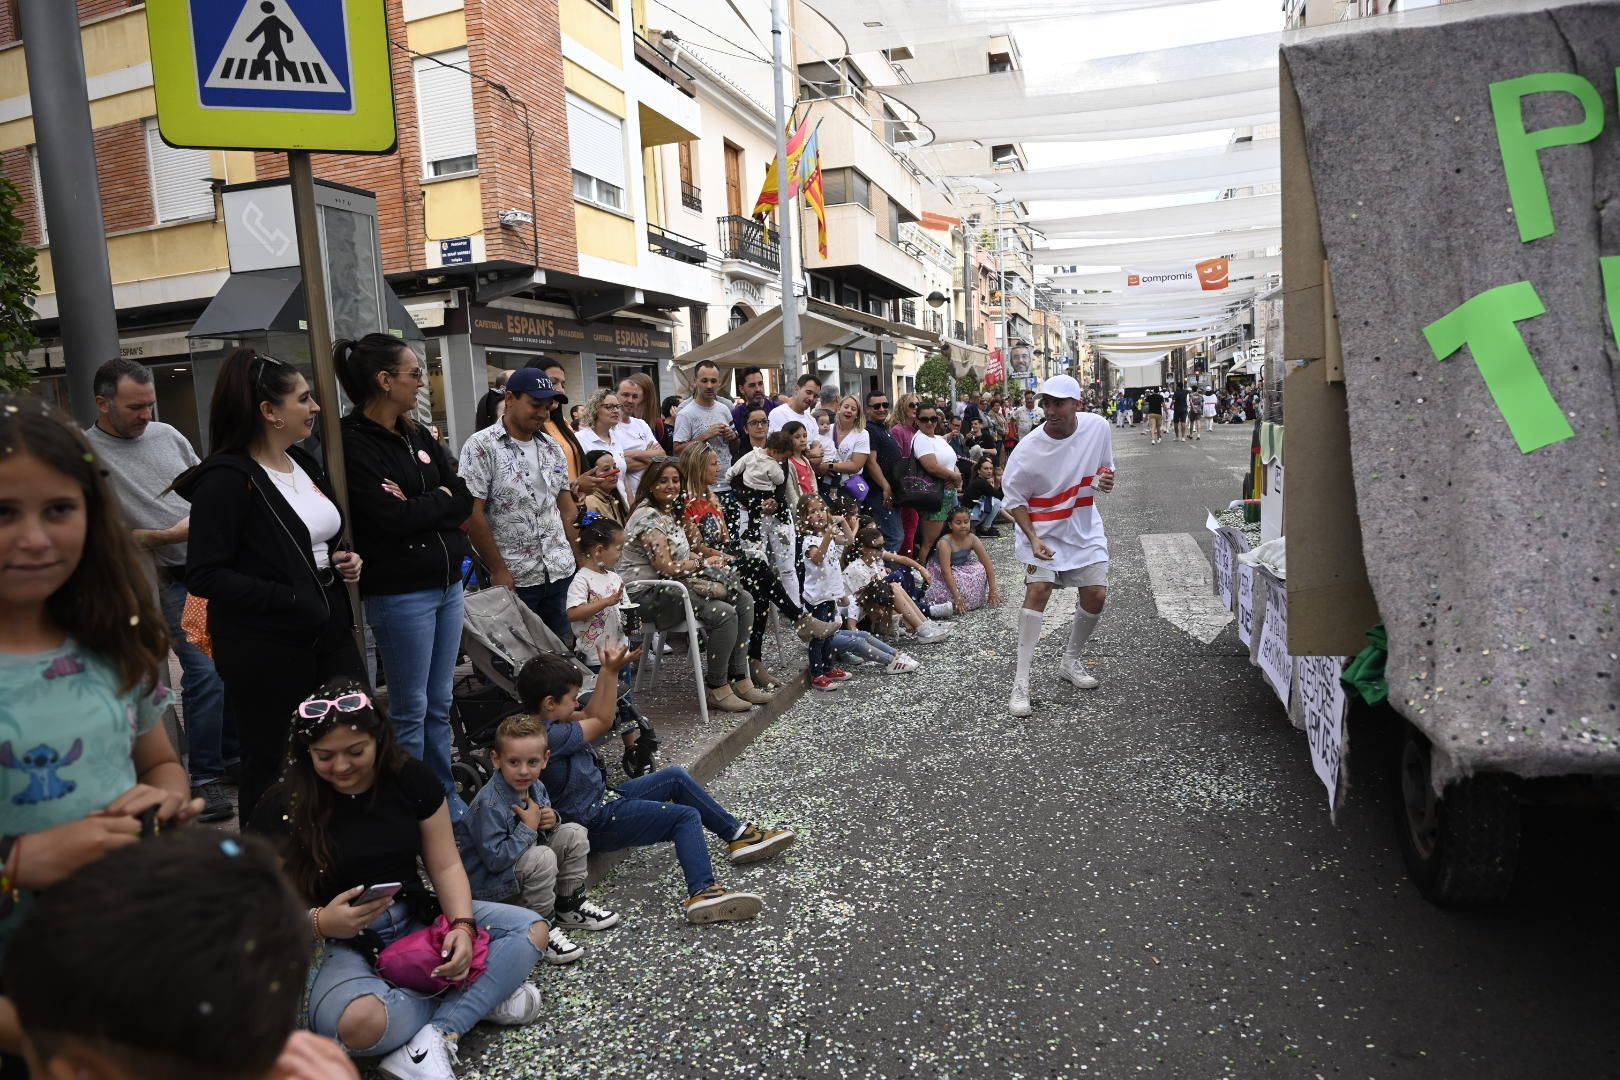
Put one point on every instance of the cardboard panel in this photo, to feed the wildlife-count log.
(1303, 257)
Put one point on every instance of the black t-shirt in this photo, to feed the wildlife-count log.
(886, 449)
(1154, 403)
(1181, 402)
(376, 836)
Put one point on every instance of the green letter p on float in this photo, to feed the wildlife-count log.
(1527, 184)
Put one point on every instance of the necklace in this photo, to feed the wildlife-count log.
(288, 479)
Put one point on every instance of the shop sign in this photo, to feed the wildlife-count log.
(505, 329)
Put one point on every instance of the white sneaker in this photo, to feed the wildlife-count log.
(1018, 704)
(560, 950)
(588, 916)
(521, 1007)
(1074, 670)
(901, 665)
(427, 1056)
(930, 632)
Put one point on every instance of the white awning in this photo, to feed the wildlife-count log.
(758, 342)
(1256, 211)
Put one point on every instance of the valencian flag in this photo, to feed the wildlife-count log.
(814, 192)
(768, 200)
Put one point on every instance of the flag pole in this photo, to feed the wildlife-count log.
(785, 205)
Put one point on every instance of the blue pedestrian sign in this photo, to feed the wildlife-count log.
(273, 74)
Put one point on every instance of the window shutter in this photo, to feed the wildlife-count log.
(179, 179)
(445, 108)
(596, 142)
(39, 195)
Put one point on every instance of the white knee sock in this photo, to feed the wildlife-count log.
(1080, 632)
(1029, 632)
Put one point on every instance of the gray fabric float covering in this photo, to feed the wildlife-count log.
(1495, 570)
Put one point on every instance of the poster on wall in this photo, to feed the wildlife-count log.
(1322, 700)
(1275, 660)
(1223, 568)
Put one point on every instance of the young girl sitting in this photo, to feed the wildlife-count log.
(594, 598)
(825, 538)
(667, 806)
(963, 575)
(879, 597)
(82, 646)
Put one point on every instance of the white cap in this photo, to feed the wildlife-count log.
(1061, 386)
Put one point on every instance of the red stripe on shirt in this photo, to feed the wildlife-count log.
(1060, 514)
(1062, 496)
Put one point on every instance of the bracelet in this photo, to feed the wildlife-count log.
(470, 924)
(10, 850)
(315, 924)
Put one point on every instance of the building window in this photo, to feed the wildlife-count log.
(445, 111)
(1005, 153)
(182, 180)
(739, 316)
(821, 288)
(596, 147)
(1000, 62)
(846, 186)
(894, 222)
(39, 193)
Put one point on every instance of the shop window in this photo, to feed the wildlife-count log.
(596, 148)
(445, 112)
(182, 180)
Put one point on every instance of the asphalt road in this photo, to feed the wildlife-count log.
(1141, 879)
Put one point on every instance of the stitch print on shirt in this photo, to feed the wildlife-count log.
(42, 764)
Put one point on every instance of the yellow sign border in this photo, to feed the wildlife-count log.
(184, 122)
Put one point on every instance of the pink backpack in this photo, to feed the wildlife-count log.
(410, 961)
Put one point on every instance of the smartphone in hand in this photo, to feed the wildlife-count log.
(385, 891)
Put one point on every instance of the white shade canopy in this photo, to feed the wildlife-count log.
(1194, 246)
(1242, 165)
(1254, 211)
(1113, 281)
(873, 25)
(1170, 118)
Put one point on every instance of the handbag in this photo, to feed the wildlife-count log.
(916, 488)
(713, 583)
(194, 621)
(410, 961)
(857, 487)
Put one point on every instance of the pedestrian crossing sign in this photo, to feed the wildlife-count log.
(273, 74)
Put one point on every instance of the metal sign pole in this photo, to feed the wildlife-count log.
(790, 303)
(318, 316)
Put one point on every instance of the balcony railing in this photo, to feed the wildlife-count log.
(672, 245)
(665, 68)
(744, 238)
(691, 197)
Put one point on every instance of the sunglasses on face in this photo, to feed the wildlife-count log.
(315, 708)
(878, 406)
(927, 419)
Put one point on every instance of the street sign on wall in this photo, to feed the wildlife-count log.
(273, 74)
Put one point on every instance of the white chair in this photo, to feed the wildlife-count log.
(653, 640)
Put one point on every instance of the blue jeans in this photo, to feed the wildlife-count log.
(860, 643)
(888, 519)
(663, 806)
(985, 511)
(419, 636)
(821, 651)
(343, 975)
(209, 743)
(550, 602)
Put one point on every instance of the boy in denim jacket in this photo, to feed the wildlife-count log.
(518, 851)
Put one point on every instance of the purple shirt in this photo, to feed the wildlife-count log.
(739, 417)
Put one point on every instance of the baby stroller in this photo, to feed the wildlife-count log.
(499, 634)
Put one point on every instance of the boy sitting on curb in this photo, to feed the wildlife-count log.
(517, 851)
(664, 806)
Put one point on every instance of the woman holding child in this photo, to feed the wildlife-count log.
(657, 548)
(354, 810)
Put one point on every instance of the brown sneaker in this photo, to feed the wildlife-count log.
(726, 700)
(757, 844)
(720, 904)
(746, 690)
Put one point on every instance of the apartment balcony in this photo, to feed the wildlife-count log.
(691, 197)
(746, 251)
(667, 97)
(672, 245)
(852, 142)
(958, 331)
(857, 255)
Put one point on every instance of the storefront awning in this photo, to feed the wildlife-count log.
(758, 342)
(255, 301)
(967, 360)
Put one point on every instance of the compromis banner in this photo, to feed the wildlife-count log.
(1211, 275)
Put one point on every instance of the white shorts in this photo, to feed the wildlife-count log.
(1081, 577)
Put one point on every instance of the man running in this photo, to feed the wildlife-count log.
(1048, 484)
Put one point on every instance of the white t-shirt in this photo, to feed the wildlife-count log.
(823, 583)
(693, 417)
(1210, 401)
(783, 415)
(606, 625)
(589, 440)
(634, 434)
(313, 508)
(855, 442)
(929, 444)
(1055, 479)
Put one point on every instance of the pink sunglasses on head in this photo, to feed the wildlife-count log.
(315, 708)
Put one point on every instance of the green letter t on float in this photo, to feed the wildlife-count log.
(1486, 324)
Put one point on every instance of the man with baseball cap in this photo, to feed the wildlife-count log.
(522, 522)
(1049, 485)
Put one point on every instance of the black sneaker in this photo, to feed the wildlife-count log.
(217, 805)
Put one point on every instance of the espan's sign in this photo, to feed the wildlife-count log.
(521, 330)
(272, 74)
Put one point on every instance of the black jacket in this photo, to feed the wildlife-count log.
(409, 544)
(249, 554)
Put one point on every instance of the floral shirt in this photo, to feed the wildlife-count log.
(519, 483)
(636, 563)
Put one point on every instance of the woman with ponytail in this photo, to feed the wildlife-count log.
(408, 506)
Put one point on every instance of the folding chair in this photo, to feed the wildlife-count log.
(653, 641)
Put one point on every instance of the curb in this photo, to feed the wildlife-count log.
(709, 759)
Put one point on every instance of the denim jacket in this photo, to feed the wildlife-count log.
(491, 837)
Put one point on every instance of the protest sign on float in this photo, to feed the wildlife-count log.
(1322, 700)
(1275, 659)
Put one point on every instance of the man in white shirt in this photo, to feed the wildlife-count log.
(1049, 484)
(634, 436)
(1029, 415)
(801, 407)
